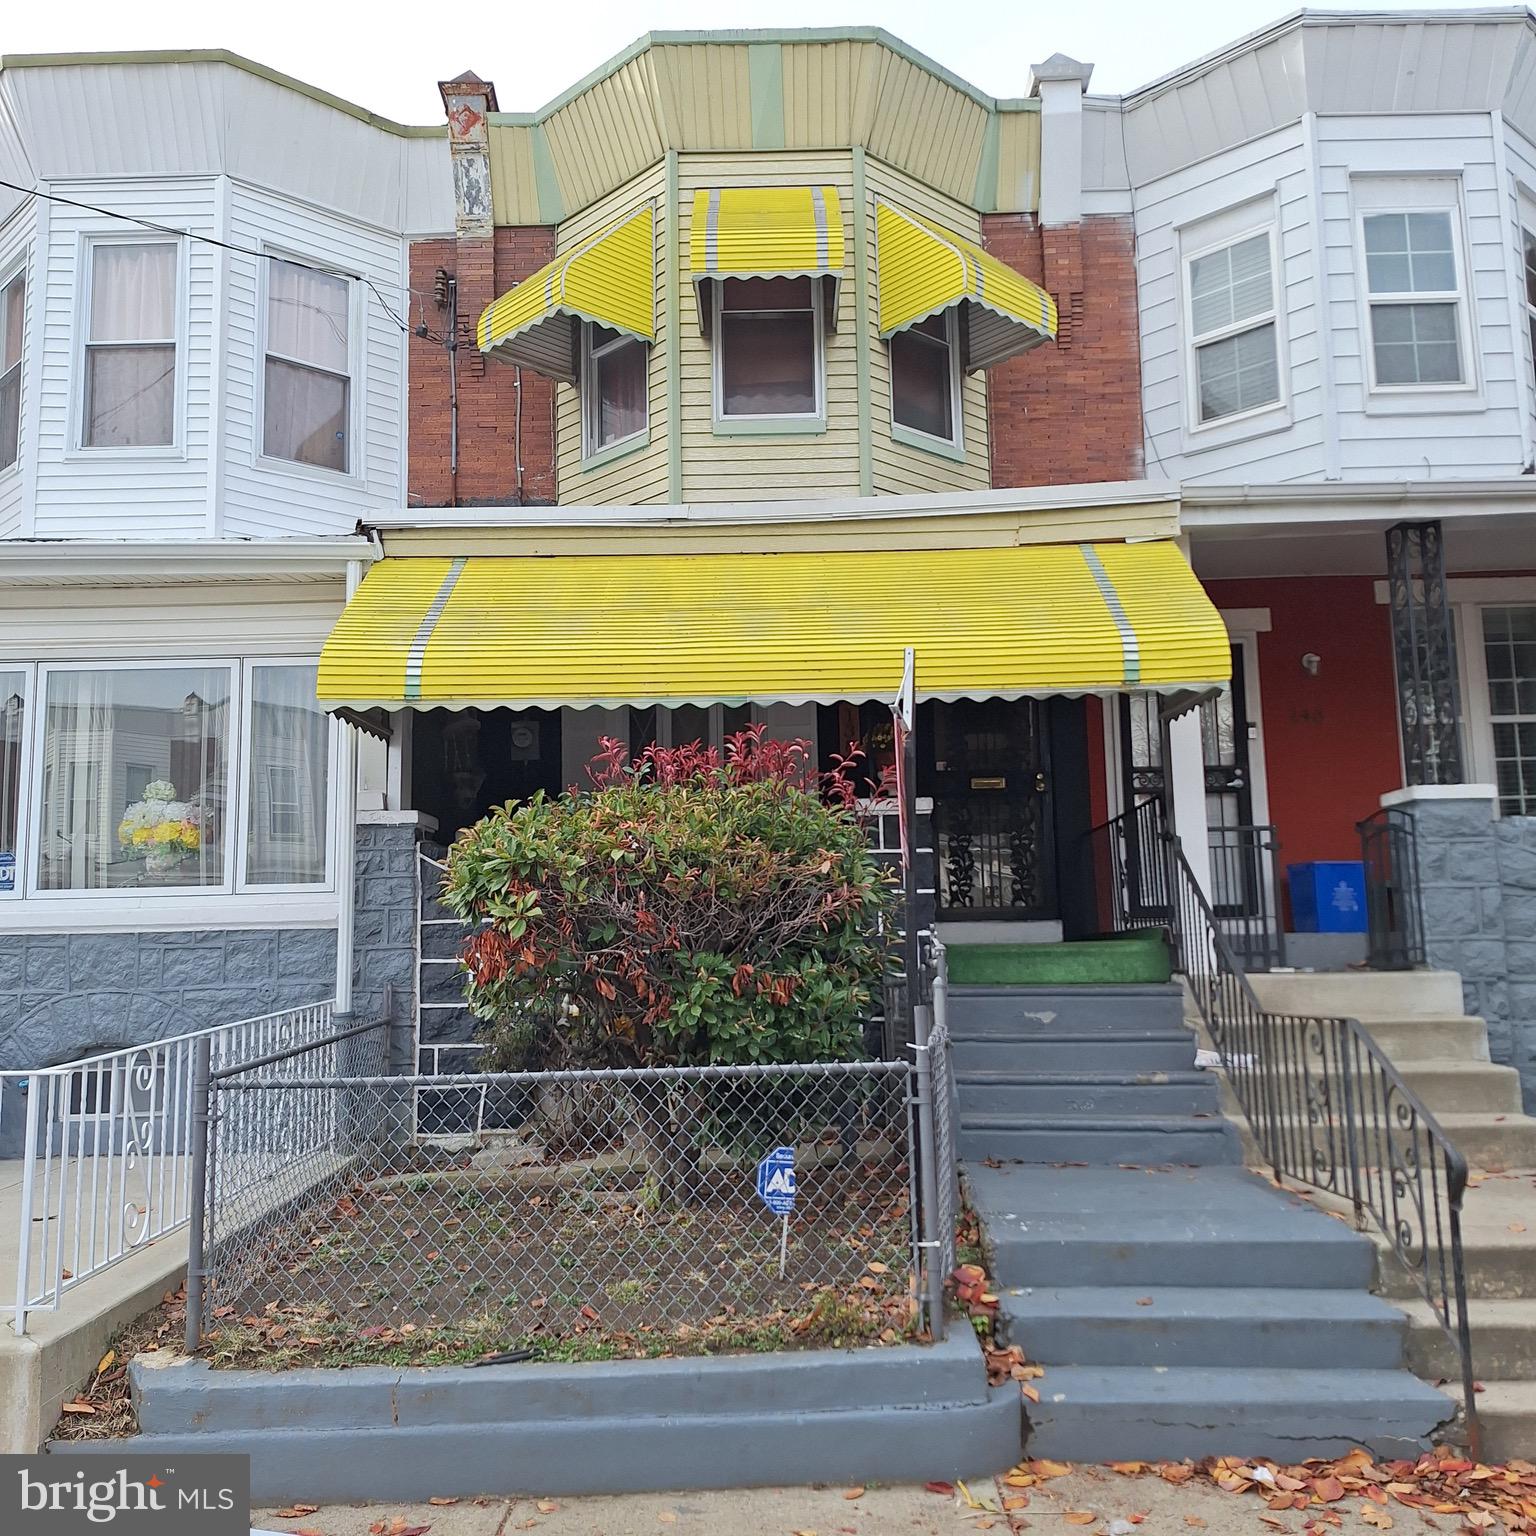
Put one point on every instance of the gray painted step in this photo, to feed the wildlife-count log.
(1157, 1093)
(1108, 1140)
(1171, 1051)
(1208, 1226)
(977, 1011)
(1173, 1325)
(1114, 1413)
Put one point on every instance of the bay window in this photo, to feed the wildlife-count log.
(614, 388)
(1412, 270)
(1233, 329)
(768, 348)
(178, 777)
(925, 378)
(307, 404)
(130, 347)
(13, 315)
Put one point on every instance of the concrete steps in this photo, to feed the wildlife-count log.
(1194, 1311)
(1097, 1139)
(1108, 1093)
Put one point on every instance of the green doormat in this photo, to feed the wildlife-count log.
(1138, 958)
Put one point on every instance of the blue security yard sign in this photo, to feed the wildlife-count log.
(776, 1181)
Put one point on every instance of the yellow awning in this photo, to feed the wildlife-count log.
(611, 279)
(523, 631)
(766, 232)
(925, 269)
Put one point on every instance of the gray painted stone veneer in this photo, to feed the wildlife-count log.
(1478, 875)
(63, 995)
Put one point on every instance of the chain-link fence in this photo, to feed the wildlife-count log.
(645, 1211)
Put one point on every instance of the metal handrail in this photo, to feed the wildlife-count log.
(1394, 902)
(1329, 1109)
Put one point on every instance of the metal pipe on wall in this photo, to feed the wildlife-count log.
(346, 839)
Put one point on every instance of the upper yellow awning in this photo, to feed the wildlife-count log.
(611, 279)
(523, 631)
(766, 232)
(925, 269)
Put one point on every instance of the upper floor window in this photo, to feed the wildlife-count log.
(1233, 329)
(307, 407)
(925, 377)
(768, 346)
(613, 387)
(130, 350)
(13, 313)
(1413, 293)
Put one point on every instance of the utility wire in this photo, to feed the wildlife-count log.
(240, 250)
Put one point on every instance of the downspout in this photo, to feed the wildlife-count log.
(517, 432)
(346, 834)
(453, 391)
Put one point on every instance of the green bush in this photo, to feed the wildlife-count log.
(688, 908)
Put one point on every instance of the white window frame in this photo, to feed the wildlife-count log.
(1405, 195)
(243, 885)
(1209, 246)
(86, 259)
(357, 319)
(1525, 223)
(9, 272)
(915, 436)
(591, 416)
(791, 419)
(24, 795)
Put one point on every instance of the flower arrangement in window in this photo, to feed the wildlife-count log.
(161, 827)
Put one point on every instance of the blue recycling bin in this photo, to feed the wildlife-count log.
(1327, 896)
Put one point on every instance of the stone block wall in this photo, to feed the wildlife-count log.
(1478, 876)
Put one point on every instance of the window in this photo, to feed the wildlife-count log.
(13, 719)
(97, 723)
(767, 348)
(711, 725)
(1528, 242)
(613, 387)
(1509, 650)
(13, 318)
(1233, 329)
(130, 352)
(925, 378)
(290, 752)
(1413, 291)
(306, 412)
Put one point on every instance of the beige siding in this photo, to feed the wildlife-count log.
(761, 468)
(705, 95)
(899, 468)
(1018, 162)
(925, 125)
(607, 134)
(830, 92)
(514, 188)
(639, 476)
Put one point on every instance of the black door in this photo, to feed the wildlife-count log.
(986, 765)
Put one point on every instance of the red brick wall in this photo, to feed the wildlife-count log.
(1070, 413)
(487, 388)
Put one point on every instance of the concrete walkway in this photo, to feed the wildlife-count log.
(1147, 1505)
(41, 1369)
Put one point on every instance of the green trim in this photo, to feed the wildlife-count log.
(235, 61)
(765, 77)
(546, 183)
(934, 445)
(615, 451)
(672, 275)
(863, 320)
(984, 199)
(771, 426)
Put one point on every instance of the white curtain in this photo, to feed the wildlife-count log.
(307, 316)
(308, 360)
(289, 762)
(130, 389)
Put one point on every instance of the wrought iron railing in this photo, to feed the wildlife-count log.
(1244, 889)
(1329, 1109)
(1393, 901)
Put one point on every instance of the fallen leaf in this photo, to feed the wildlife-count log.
(947, 1489)
(1374, 1514)
(1273, 1523)
(1195, 1521)
(1517, 1226)
(1050, 1468)
(1016, 1501)
(1079, 1516)
(105, 1363)
(441, 1502)
(1143, 1301)
(1128, 1468)
(76, 1406)
(547, 1506)
(1032, 1393)
(853, 1493)
(1328, 1489)
(667, 1517)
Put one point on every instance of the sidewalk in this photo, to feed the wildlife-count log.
(1115, 1505)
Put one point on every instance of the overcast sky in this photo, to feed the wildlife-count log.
(388, 57)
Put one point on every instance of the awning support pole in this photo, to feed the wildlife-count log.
(906, 712)
(1184, 753)
(346, 840)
